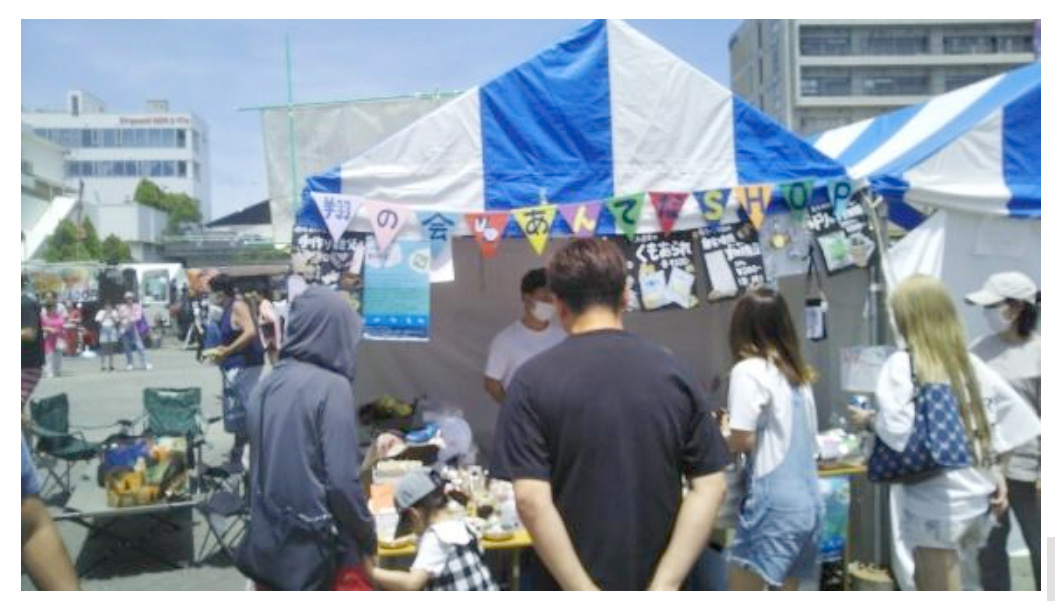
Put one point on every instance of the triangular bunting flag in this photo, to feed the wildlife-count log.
(627, 210)
(582, 218)
(712, 204)
(337, 211)
(668, 206)
(387, 221)
(797, 195)
(754, 200)
(839, 193)
(487, 229)
(438, 228)
(536, 223)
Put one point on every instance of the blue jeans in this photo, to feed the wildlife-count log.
(130, 340)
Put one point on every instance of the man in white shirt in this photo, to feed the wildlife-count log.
(535, 332)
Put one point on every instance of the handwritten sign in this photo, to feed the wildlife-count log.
(733, 258)
(661, 271)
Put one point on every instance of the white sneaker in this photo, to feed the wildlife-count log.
(129, 368)
(147, 367)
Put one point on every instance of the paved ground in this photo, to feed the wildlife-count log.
(100, 398)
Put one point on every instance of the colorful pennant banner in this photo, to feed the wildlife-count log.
(582, 218)
(626, 210)
(754, 200)
(438, 227)
(387, 221)
(487, 229)
(536, 223)
(668, 207)
(337, 211)
(797, 195)
(839, 192)
(712, 204)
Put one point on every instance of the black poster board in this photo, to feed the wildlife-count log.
(661, 271)
(843, 245)
(733, 258)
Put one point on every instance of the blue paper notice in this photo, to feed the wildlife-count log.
(396, 297)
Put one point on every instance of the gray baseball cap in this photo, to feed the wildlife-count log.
(414, 487)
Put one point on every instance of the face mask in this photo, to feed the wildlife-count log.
(998, 319)
(543, 311)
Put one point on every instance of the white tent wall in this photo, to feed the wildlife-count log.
(325, 133)
(963, 249)
(485, 297)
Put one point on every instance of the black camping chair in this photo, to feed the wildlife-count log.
(224, 508)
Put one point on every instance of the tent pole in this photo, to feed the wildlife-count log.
(291, 125)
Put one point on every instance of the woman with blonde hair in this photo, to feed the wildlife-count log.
(947, 512)
(773, 421)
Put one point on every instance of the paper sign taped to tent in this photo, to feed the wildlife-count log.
(861, 366)
(733, 258)
(661, 271)
(319, 259)
(397, 296)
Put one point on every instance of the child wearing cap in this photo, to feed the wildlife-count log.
(449, 556)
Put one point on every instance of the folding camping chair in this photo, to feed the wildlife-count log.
(58, 447)
(225, 509)
(176, 412)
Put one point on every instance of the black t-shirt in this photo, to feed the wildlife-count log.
(32, 351)
(612, 421)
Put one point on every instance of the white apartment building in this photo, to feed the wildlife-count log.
(112, 151)
(816, 74)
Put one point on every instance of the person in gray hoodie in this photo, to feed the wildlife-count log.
(308, 509)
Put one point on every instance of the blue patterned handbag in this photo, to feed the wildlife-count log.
(938, 440)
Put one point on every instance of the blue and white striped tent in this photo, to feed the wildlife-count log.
(977, 149)
(605, 112)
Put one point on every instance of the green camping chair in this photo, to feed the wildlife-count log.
(58, 447)
(176, 412)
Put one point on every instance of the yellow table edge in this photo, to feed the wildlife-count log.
(521, 539)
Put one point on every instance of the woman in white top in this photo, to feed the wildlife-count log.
(772, 420)
(947, 515)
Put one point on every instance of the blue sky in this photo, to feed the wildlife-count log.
(211, 68)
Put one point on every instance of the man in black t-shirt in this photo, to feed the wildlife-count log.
(32, 344)
(596, 434)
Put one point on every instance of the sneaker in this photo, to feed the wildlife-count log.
(129, 367)
(147, 367)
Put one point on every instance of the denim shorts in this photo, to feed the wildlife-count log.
(965, 536)
(776, 542)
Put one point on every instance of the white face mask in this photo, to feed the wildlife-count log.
(542, 312)
(997, 319)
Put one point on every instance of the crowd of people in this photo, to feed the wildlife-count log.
(616, 456)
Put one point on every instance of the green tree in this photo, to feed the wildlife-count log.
(180, 207)
(149, 194)
(66, 245)
(114, 250)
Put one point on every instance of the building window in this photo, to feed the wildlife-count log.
(966, 45)
(195, 140)
(181, 138)
(196, 170)
(1015, 44)
(895, 41)
(901, 84)
(819, 83)
(819, 41)
(27, 167)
